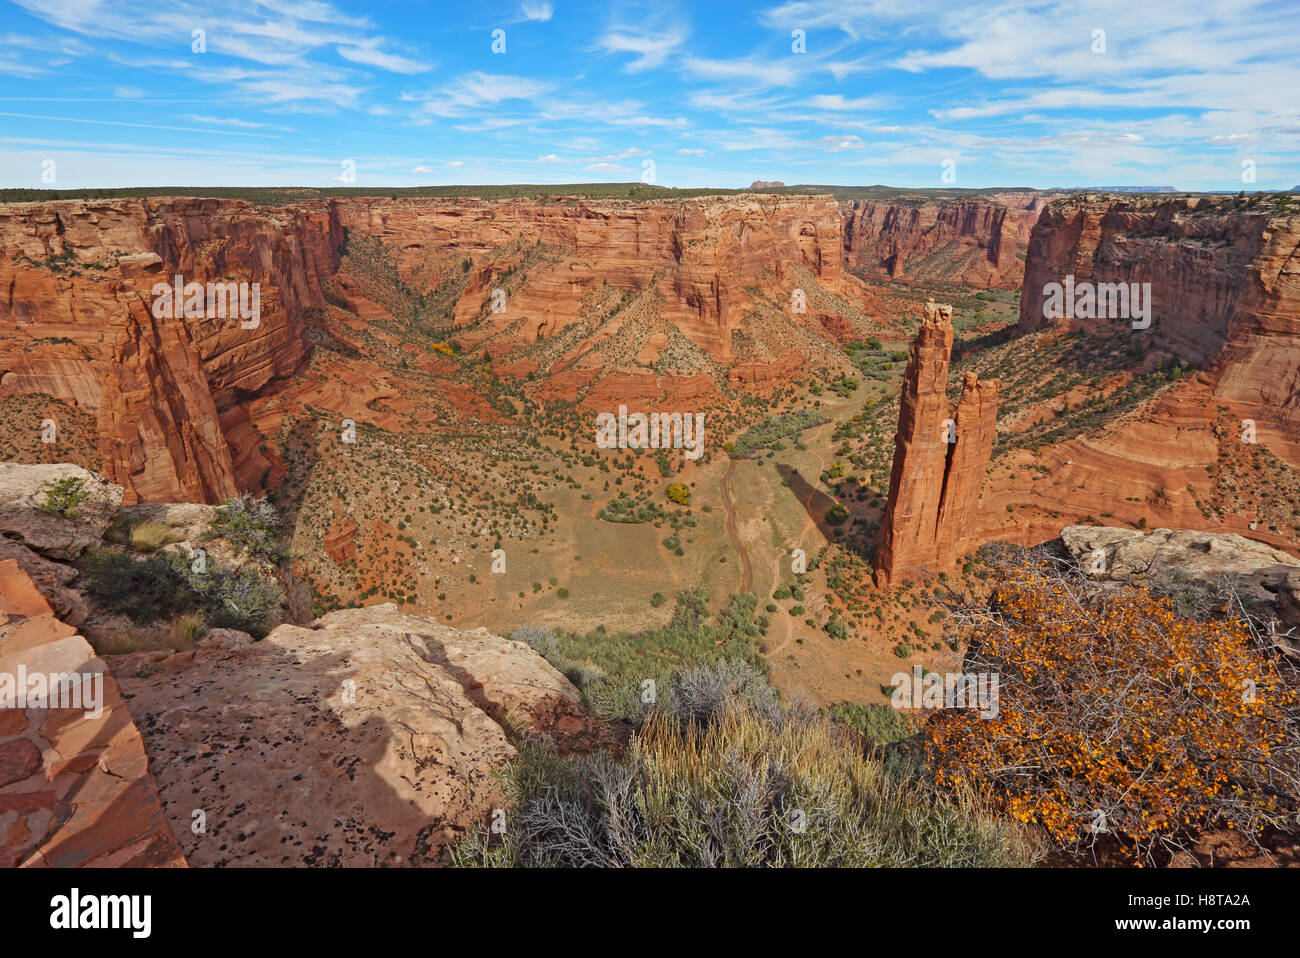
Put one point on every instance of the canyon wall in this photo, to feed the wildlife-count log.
(76, 323)
(939, 461)
(173, 399)
(1225, 297)
(1225, 290)
(975, 241)
(696, 255)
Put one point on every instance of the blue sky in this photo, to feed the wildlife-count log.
(708, 94)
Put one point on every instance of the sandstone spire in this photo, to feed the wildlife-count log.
(939, 460)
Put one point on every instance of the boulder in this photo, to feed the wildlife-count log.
(369, 738)
(23, 491)
(1259, 573)
(1204, 556)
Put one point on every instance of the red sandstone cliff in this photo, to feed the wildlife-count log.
(1225, 294)
(697, 256)
(939, 460)
(619, 299)
(975, 241)
(1225, 290)
(76, 324)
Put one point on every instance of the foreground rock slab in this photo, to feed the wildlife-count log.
(368, 739)
(75, 787)
(1258, 572)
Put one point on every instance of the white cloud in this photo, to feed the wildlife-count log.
(651, 49)
(766, 72)
(536, 12)
(549, 158)
(477, 90)
(421, 169)
(838, 144)
(835, 101)
(370, 54)
(607, 168)
(224, 121)
(684, 151)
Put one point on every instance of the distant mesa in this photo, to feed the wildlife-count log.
(1121, 189)
(765, 184)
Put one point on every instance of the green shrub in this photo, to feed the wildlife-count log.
(878, 724)
(64, 497)
(142, 589)
(627, 659)
(249, 523)
(165, 584)
(241, 600)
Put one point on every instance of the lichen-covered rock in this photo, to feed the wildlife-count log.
(370, 738)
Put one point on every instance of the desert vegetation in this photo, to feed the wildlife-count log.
(1121, 720)
(720, 774)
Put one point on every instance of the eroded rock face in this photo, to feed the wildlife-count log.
(939, 460)
(367, 739)
(1225, 290)
(181, 407)
(1225, 294)
(75, 786)
(974, 241)
(23, 491)
(76, 323)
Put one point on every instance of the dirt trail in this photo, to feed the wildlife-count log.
(747, 573)
(776, 563)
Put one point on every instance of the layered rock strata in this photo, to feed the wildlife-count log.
(75, 782)
(939, 459)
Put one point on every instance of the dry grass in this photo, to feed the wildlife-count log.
(752, 785)
(149, 535)
(185, 631)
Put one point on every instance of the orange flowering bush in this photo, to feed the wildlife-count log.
(1118, 717)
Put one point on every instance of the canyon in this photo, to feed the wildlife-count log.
(976, 241)
(618, 300)
(611, 301)
(1225, 291)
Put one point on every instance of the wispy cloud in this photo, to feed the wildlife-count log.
(536, 11)
(370, 54)
(651, 46)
